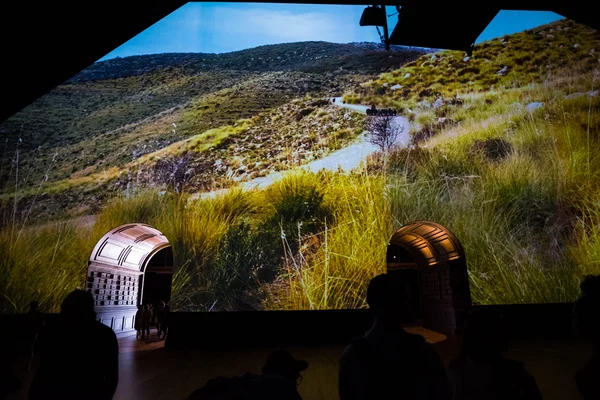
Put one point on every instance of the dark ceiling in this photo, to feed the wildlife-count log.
(447, 28)
(45, 43)
(456, 25)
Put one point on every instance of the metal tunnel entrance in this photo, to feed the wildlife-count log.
(130, 265)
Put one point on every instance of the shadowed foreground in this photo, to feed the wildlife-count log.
(150, 371)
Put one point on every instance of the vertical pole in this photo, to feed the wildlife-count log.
(386, 37)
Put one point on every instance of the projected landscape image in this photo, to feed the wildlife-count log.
(279, 163)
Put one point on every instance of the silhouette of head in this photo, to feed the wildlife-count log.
(587, 308)
(386, 296)
(282, 362)
(78, 306)
(484, 336)
(33, 306)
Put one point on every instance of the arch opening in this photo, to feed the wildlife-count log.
(130, 265)
(428, 263)
(157, 278)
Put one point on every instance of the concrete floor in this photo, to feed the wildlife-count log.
(150, 371)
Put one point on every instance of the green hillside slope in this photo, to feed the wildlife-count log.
(514, 60)
(116, 110)
(95, 127)
(505, 155)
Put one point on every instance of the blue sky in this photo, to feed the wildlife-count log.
(225, 27)
(507, 22)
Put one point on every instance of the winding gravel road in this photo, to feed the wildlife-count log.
(346, 159)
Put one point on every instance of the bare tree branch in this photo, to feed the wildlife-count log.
(384, 131)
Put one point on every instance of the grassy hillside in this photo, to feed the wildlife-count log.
(508, 162)
(514, 60)
(117, 110)
(311, 241)
(277, 140)
(111, 134)
(504, 154)
(83, 123)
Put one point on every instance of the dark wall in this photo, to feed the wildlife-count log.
(537, 321)
(284, 328)
(270, 328)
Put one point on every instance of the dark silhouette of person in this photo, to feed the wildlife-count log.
(165, 320)
(153, 309)
(161, 320)
(9, 382)
(281, 374)
(279, 381)
(158, 311)
(481, 371)
(138, 323)
(388, 362)
(34, 322)
(9, 354)
(78, 356)
(372, 110)
(146, 321)
(587, 326)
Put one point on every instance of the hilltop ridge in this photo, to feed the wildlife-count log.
(300, 56)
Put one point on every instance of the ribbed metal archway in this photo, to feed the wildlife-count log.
(422, 244)
(427, 261)
(116, 269)
(128, 246)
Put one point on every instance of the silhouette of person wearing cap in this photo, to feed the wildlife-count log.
(281, 375)
(78, 355)
(279, 381)
(388, 362)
